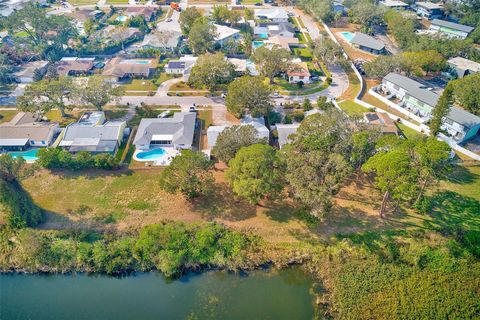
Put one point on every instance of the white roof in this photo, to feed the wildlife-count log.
(157, 137)
(276, 13)
(13, 142)
(465, 64)
(224, 32)
(394, 3)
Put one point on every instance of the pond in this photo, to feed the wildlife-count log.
(210, 295)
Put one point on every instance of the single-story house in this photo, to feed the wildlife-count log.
(176, 132)
(367, 43)
(70, 66)
(394, 4)
(273, 15)
(451, 29)
(283, 42)
(83, 15)
(261, 32)
(382, 121)
(240, 64)
(429, 10)
(283, 29)
(181, 66)
(163, 40)
(284, 131)
(299, 72)
(225, 33)
(145, 11)
(25, 131)
(461, 67)
(120, 34)
(258, 123)
(92, 133)
(414, 96)
(28, 70)
(119, 68)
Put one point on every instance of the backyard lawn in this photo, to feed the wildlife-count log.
(408, 132)
(353, 109)
(7, 115)
(72, 116)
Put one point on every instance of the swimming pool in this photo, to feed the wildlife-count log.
(257, 44)
(29, 156)
(151, 155)
(121, 18)
(347, 35)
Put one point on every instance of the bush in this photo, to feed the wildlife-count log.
(54, 158)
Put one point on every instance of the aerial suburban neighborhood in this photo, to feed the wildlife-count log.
(269, 159)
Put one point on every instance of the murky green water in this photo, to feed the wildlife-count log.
(209, 295)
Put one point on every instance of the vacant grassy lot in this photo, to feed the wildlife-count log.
(7, 115)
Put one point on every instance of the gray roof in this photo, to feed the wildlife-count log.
(181, 126)
(163, 39)
(24, 126)
(176, 65)
(463, 117)
(284, 131)
(260, 30)
(365, 40)
(429, 5)
(452, 25)
(414, 88)
(79, 132)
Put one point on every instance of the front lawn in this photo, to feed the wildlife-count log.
(7, 115)
(353, 109)
(140, 85)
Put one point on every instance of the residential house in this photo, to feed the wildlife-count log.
(25, 131)
(120, 34)
(394, 4)
(339, 7)
(28, 71)
(382, 121)
(461, 67)
(181, 66)
(367, 43)
(240, 65)
(284, 131)
(283, 29)
(299, 72)
(92, 133)
(272, 14)
(119, 68)
(451, 29)
(167, 40)
(225, 34)
(429, 10)
(145, 11)
(417, 98)
(258, 123)
(176, 132)
(282, 42)
(73, 66)
(461, 124)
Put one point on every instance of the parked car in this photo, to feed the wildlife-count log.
(169, 20)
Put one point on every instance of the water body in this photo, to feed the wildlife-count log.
(210, 295)
(7, 6)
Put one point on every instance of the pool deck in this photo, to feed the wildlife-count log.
(162, 160)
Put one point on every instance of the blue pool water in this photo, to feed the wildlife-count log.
(30, 155)
(347, 35)
(153, 154)
(257, 44)
(263, 35)
(121, 18)
(142, 61)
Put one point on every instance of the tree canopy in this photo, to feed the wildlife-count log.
(232, 139)
(248, 94)
(187, 18)
(38, 32)
(211, 71)
(47, 94)
(188, 174)
(466, 92)
(255, 173)
(201, 38)
(271, 62)
(97, 92)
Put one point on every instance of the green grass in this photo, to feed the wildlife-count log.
(7, 115)
(353, 109)
(303, 53)
(83, 2)
(408, 132)
(206, 117)
(117, 1)
(140, 85)
(300, 21)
